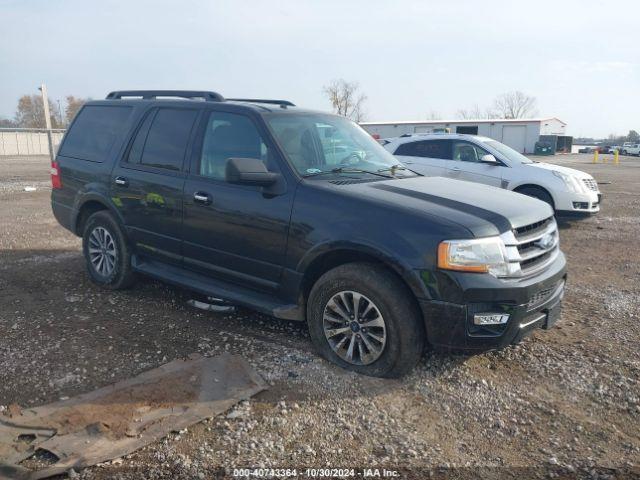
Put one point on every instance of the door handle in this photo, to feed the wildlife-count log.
(456, 169)
(123, 182)
(201, 197)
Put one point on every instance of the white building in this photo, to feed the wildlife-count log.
(519, 134)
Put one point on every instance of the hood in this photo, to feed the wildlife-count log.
(557, 168)
(481, 209)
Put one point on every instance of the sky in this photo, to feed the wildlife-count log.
(580, 59)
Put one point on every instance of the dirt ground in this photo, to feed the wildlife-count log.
(564, 402)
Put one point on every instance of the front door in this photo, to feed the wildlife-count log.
(236, 233)
(466, 164)
(147, 185)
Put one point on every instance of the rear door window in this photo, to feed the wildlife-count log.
(94, 131)
(167, 139)
(426, 148)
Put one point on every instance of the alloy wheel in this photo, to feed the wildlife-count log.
(102, 251)
(354, 328)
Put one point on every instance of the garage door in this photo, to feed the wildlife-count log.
(515, 136)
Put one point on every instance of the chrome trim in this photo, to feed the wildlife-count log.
(531, 322)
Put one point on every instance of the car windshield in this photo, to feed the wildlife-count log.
(318, 144)
(508, 152)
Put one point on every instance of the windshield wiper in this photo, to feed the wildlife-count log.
(347, 170)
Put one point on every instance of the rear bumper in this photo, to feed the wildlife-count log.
(63, 214)
(531, 304)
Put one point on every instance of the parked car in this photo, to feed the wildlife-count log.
(633, 149)
(484, 160)
(303, 216)
(587, 149)
(605, 149)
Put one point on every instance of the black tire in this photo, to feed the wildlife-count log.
(405, 334)
(538, 193)
(122, 275)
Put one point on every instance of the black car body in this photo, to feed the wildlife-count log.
(266, 238)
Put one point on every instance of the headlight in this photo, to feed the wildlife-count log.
(573, 183)
(483, 255)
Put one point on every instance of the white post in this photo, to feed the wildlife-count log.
(47, 118)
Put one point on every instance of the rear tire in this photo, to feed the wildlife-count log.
(538, 193)
(377, 315)
(106, 252)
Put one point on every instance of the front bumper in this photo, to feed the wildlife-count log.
(578, 203)
(531, 304)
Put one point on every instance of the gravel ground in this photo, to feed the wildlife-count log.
(565, 402)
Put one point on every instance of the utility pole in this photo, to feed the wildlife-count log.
(47, 118)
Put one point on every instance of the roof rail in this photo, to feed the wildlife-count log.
(149, 94)
(282, 103)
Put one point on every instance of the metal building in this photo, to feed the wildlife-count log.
(520, 134)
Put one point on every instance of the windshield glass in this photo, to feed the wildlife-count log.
(508, 152)
(316, 144)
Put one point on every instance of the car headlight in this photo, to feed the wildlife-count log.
(573, 183)
(482, 255)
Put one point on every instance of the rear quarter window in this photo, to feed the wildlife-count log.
(94, 131)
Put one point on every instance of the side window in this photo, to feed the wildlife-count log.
(229, 135)
(94, 131)
(167, 139)
(135, 153)
(426, 148)
(467, 152)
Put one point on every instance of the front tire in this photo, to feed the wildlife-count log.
(362, 318)
(106, 252)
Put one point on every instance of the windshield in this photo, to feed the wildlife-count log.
(317, 144)
(508, 152)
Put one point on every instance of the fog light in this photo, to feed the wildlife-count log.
(490, 318)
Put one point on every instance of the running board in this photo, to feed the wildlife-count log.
(234, 294)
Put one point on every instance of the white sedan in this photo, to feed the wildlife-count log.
(484, 160)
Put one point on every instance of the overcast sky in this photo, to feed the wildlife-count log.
(580, 59)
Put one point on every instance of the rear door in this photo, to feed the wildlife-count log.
(148, 182)
(466, 165)
(428, 157)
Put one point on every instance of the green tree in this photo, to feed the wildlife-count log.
(633, 136)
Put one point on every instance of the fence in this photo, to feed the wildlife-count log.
(28, 141)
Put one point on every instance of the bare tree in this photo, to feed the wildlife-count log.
(30, 113)
(73, 105)
(7, 123)
(514, 105)
(473, 113)
(345, 99)
(434, 115)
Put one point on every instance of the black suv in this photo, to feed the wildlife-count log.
(303, 216)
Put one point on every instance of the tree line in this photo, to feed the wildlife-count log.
(30, 112)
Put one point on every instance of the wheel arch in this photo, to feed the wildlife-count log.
(536, 186)
(90, 204)
(329, 259)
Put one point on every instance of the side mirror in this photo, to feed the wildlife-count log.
(249, 171)
(490, 159)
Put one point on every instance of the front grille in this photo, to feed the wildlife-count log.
(591, 184)
(542, 296)
(531, 248)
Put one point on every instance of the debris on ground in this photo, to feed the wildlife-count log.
(116, 420)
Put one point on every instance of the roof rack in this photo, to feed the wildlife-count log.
(282, 103)
(149, 94)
